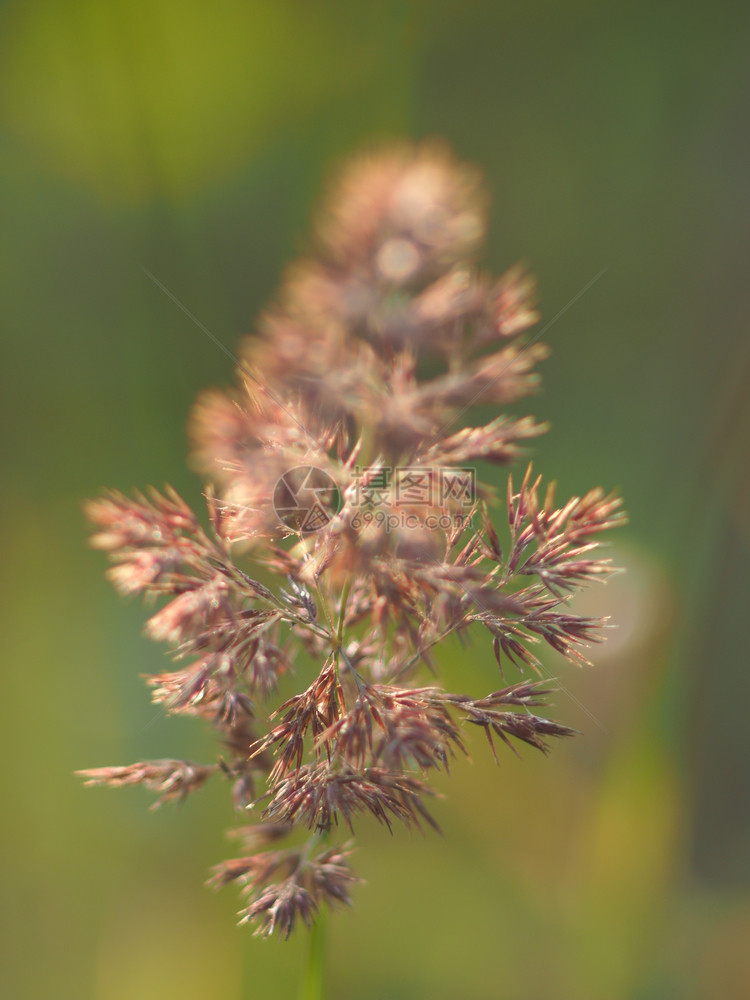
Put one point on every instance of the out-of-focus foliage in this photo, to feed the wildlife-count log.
(144, 98)
(190, 138)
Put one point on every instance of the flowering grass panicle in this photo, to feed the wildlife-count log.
(338, 471)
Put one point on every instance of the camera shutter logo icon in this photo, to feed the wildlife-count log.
(306, 499)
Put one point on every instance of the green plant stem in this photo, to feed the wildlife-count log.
(314, 973)
(342, 610)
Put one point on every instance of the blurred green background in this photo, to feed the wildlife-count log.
(191, 139)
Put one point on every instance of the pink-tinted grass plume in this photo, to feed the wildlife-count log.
(340, 467)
